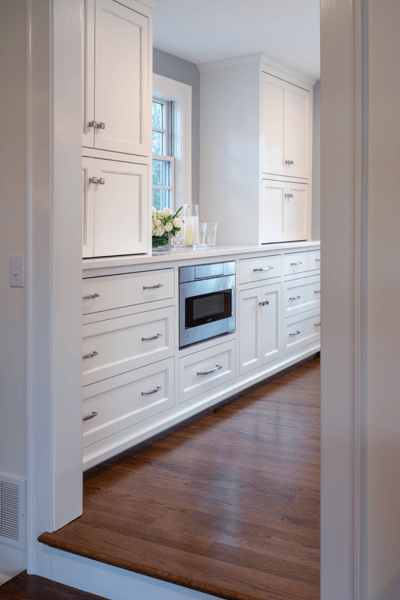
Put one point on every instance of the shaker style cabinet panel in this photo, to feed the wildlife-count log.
(116, 78)
(286, 128)
(114, 208)
(285, 211)
(260, 326)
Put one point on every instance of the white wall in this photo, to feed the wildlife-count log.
(13, 240)
(383, 303)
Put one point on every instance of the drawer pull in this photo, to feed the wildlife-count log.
(94, 353)
(216, 368)
(317, 291)
(91, 297)
(92, 416)
(158, 388)
(295, 264)
(264, 269)
(154, 337)
(295, 298)
(317, 324)
(152, 287)
(317, 260)
(295, 333)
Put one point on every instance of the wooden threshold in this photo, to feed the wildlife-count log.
(228, 505)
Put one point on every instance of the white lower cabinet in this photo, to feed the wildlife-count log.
(204, 370)
(114, 213)
(301, 330)
(112, 405)
(115, 346)
(260, 326)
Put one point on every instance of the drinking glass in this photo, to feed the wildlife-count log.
(201, 234)
(211, 234)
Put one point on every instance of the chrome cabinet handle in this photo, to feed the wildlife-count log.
(296, 333)
(155, 337)
(94, 353)
(152, 287)
(264, 303)
(317, 324)
(101, 125)
(94, 180)
(317, 291)
(158, 388)
(295, 298)
(93, 124)
(216, 368)
(264, 269)
(92, 416)
(91, 297)
(295, 264)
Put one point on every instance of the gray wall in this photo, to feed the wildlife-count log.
(186, 72)
(316, 165)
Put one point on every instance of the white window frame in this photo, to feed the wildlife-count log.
(167, 155)
(180, 94)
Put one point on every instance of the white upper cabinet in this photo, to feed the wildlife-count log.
(116, 78)
(120, 208)
(285, 211)
(273, 117)
(286, 128)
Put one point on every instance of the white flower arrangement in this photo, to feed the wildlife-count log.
(165, 222)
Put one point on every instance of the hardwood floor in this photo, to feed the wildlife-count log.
(228, 505)
(32, 587)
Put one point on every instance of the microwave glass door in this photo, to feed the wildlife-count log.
(208, 308)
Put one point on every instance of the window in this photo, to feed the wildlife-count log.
(172, 143)
(163, 161)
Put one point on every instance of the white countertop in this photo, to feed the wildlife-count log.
(190, 254)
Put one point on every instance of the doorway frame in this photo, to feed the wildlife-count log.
(54, 427)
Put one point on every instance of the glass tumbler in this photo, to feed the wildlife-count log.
(211, 234)
(201, 234)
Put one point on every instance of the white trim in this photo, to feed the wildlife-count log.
(259, 58)
(344, 310)
(181, 96)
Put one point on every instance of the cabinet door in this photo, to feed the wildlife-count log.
(250, 330)
(297, 212)
(122, 92)
(273, 126)
(298, 131)
(120, 217)
(87, 71)
(273, 202)
(87, 207)
(271, 334)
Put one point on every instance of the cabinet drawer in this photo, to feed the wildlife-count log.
(127, 399)
(301, 295)
(301, 330)
(126, 343)
(300, 262)
(205, 370)
(258, 269)
(117, 291)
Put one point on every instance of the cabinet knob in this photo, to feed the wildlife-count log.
(291, 162)
(265, 303)
(101, 125)
(102, 181)
(93, 124)
(94, 180)
(287, 162)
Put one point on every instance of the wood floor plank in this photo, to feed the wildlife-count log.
(33, 587)
(228, 504)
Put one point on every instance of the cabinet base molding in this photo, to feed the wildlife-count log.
(114, 444)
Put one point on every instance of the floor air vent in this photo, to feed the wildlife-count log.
(12, 511)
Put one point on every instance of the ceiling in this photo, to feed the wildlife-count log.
(205, 30)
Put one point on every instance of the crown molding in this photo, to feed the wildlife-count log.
(261, 58)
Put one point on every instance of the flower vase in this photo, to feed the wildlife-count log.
(161, 243)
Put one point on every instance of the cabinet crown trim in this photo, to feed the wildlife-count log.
(263, 59)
